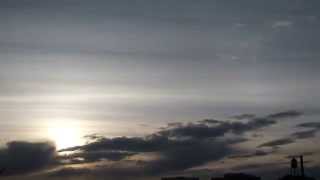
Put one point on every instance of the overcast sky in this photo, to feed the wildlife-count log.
(151, 71)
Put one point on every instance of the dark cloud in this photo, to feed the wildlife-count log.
(118, 170)
(315, 125)
(178, 146)
(308, 153)
(175, 148)
(186, 154)
(257, 153)
(94, 156)
(304, 134)
(132, 144)
(294, 136)
(244, 116)
(214, 129)
(70, 172)
(174, 154)
(210, 121)
(277, 142)
(286, 114)
(175, 124)
(23, 157)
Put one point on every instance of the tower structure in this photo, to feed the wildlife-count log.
(294, 167)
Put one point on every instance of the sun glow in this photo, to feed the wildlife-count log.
(64, 133)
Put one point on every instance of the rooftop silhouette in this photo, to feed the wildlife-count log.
(180, 178)
(237, 176)
(297, 172)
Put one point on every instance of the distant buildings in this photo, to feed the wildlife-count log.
(290, 177)
(296, 173)
(237, 176)
(230, 176)
(179, 178)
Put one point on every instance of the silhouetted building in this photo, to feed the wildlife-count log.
(237, 176)
(2, 171)
(179, 178)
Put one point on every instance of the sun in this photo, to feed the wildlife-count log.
(64, 134)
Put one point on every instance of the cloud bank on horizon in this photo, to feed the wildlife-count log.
(179, 148)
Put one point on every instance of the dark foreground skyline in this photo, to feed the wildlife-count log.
(142, 89)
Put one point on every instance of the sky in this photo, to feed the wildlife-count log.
(142, 89)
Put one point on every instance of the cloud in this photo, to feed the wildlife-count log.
(315, 125)
(118, 170)
(306, 153)
(179, 146)
(94, 156)
(259, 166)
(277, 142)
(215, 129)
(173, 154)
(257, 153)
(209, 121)
(286, 114)
(23, 157)
(296, 135)
(304, 134)
(187, 154)
(244, 116)
(282, 24)
(174, 148)
(70, 172)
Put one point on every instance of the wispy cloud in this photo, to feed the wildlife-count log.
(282, 24)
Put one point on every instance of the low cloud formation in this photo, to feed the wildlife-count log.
(172, 154)
(24, 157)
(178, 147)
(305, 134)
(257, 153)
(244, 116)
(314, 125)
(211, 128)
(277, 142)
(282, 24)
(286, 114)
(94, 156)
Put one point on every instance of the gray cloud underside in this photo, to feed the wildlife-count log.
(257, 153)
(22, 157)
(180, 146)
(277, 142)
(177, 147)
(313, 127)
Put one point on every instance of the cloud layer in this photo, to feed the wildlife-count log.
(23, 157)
(176, 148)
(180, 146)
